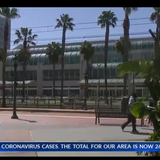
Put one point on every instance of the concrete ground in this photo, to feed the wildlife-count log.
(66, 127)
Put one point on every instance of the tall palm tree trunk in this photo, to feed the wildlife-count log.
(86, 86)
(124, 81)
(126, 47)
(4, 83)
(62, 62)
(4, 63)
(105, 61)
(158, 26)
(53, 90)
(23, 82)
(24, 71)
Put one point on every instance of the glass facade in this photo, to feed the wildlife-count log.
(30, 75)
(58, 92)
(70, 74)
(72, 54)
(98, 70)
(73, 74)
(70, 58)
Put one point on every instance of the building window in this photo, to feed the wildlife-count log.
(72, 58)
(32, 92)
(29, 75)
(73, 74)
(47, 93)
(67, 74)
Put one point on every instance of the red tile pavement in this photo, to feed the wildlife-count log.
(59, 120)
(18, 154)
(15, 135)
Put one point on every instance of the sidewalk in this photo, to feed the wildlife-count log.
(48, 110)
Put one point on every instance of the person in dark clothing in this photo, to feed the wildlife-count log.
(131, 118)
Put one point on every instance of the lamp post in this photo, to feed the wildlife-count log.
(132, 79)
(98, 83)
(133, 82)
(12, 86)
(86, 89)
(14, 116)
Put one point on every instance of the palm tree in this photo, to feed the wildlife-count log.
(66, 23)
(1, 53)
(87, 50)
(155, 17)
(126, 26)
(53, 52)
(119, 45)
(24, 36)
(105, 20)
(9, 14)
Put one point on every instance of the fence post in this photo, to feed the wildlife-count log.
(48, 102)
(9, 100)
(74, 105)
(26, 101)
(37, 102)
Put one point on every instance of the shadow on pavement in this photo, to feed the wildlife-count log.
(27, 120)
(138, 133)
(151, 129)
(115, 125)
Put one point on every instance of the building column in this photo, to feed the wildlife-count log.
(39, 79)
(82, 70)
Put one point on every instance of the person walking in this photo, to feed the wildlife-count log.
(131, 118)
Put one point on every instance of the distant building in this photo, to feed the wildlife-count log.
(40, 71)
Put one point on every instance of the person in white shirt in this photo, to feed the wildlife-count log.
(131, 118)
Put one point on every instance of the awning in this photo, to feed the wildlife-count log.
(19, 82)
(102, 81)
(111, 81)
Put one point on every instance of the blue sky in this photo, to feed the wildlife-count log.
(43, 20)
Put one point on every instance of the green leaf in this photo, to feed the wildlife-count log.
(138, 109)
(157, 117)
(127, 67)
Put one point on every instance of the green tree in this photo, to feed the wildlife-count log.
(155, 17)
(126, 26)
(119, 45)
(146, 70)
(9, 14)
(53, 52)
(66, 23)
(1, 53)
(105, 20)
(26, 38)
(87, 50)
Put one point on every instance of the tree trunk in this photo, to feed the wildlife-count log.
(105, 61)
(24, 69)
(126, 25)
(124, 80)
(62, 61)
(23, 84)
(5, 46)
(158, 26)
(86, 86)
(53, 89)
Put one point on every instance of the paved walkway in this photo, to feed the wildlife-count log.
(64, 128)
(47, 110)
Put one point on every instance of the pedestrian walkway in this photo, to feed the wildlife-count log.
(63, 128)
(47, 110)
